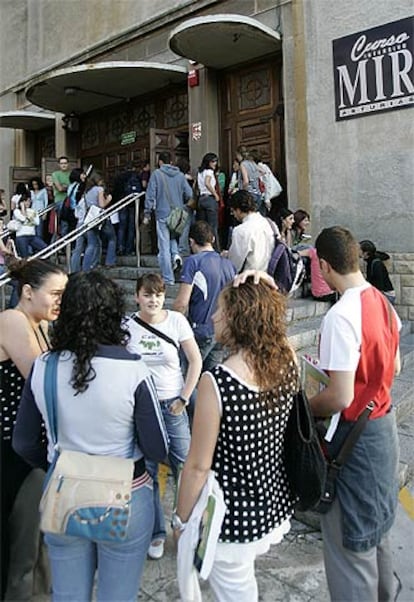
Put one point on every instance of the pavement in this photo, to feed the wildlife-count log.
(293, 571)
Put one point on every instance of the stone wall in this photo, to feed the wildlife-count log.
(401, 271)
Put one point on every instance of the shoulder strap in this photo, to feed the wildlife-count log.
(155, 331)
(353, 436)
(50, 392)
(275, 229)
(167, 192)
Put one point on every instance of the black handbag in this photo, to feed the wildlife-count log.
(304, 460)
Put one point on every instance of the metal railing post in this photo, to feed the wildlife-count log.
(137, 233)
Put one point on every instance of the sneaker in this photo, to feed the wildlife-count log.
(177, 263)
(156, 549)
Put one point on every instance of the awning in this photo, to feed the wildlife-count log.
(26, 120)
(93, 86)
(221, 41)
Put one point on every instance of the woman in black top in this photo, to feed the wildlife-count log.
(377, 273)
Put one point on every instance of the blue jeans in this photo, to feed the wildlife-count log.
(208, 212)
(126, 230)
(75, 260)
(211, 352)
(179, 435)
(93, 250)
(26, 245)
(74, 560)
(108, 234)
(168, 247)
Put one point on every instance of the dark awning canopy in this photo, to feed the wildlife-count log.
(220, 41)
(93, 86)
(26, 120)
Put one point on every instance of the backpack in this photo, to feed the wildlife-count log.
(268, 183)
(132, 184)
(286, 266)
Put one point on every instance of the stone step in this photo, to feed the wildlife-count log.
(304, 333)
(146, 261)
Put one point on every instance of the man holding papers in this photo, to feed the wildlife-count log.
(359, 350)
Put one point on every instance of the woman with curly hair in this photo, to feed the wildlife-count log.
(106, 405)
(240, 417)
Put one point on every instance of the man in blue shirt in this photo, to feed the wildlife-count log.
(204, 275)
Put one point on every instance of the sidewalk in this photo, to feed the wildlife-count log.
(293, 570)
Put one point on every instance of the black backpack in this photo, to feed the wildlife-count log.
(286, 266)
(132, 184)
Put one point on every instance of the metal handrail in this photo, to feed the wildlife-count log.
(61, 243)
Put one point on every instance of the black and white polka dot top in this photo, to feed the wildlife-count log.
(248, 459)
(11, 386)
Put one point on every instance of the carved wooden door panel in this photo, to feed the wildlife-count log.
(176, 142)
(252, 113)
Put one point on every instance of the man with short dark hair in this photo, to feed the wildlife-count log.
(167, 188)
(204, 275)
(359, 350)
(61, 183)
(252, 240)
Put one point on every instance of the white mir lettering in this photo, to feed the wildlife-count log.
(345, 81)
(400, 75)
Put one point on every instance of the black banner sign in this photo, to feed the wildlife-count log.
(373, 70)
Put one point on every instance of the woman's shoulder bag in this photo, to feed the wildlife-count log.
(85, 495)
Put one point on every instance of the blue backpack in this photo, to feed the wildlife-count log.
(286, 266)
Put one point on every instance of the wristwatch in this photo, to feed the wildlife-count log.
(176, 523)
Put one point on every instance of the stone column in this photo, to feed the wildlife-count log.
(203, 113)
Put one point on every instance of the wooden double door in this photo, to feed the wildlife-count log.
(251, 113)
(147, 148)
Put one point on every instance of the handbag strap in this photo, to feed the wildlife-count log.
(353, 437)
(50, 392)
(155, 331)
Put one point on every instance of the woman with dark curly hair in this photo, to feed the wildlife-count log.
(240, 417)
(107, 405)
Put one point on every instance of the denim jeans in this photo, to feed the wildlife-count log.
(167, 248)
(75, 260)
(211, 352)
(26, 245)
(183, 241)
(74, 560)
(208, 212)
(126, 230)
(179, 435)
(93, 250)
(108, 234)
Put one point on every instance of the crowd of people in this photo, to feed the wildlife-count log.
(206, 386)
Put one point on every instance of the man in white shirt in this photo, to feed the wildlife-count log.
(253, 239)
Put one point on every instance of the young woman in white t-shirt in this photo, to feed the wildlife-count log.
(163, 360)
(208, 202)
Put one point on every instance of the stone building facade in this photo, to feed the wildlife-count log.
(299, 80)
